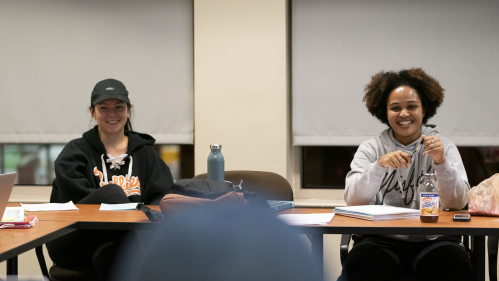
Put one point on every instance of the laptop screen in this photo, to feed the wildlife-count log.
(6, 185)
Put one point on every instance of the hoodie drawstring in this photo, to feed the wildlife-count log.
(115, 161)
(116, 165)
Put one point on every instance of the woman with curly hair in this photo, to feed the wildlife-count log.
(386, 170)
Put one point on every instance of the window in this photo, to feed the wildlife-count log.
(480, 162)
(180, 159)
(336, 46)
(325, 167)
(149, 48)
(34, 163)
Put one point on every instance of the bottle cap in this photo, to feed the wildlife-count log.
(215, 146)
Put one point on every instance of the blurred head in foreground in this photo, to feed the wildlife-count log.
(221, 243)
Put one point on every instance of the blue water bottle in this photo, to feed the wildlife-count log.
(216, 163)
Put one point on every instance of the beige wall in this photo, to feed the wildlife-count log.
(240, 83)
(241, 93)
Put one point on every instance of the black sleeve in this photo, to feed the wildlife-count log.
(71, 183)
(159, 182)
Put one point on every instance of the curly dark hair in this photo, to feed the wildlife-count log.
(383, 83)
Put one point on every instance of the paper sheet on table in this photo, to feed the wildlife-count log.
(306, 219)
(118, 207)
(50, 207)
(14, 214)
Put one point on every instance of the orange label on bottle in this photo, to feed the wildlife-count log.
(428, 204)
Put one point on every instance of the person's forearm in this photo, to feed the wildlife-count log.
(452, 187)
(361, 186)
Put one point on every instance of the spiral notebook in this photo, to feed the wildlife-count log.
(377, 212)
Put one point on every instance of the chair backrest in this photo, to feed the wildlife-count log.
(270, 185)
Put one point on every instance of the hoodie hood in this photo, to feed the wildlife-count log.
(389, 143)
(135, 140)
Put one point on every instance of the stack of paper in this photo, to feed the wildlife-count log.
(306, 219)
(118, 207)
(377, 212)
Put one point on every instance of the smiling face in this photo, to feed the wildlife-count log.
(111, 116)
(405, 114)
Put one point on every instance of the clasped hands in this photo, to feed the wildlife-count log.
(399, 159)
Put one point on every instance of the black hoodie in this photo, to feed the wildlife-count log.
(79, 170)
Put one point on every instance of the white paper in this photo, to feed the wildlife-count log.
(14, 214)
(306, 219)
(118, 207)
(50, 207)
(378, 210)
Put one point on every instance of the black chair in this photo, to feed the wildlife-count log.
(492, 250)
(270, 185)
(59, 273)
(345, 245)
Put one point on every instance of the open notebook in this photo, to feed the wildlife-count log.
(377, 212)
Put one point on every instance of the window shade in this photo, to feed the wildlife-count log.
(338, 45)
(52, 53)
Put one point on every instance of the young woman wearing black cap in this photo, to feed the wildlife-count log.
(109, 164)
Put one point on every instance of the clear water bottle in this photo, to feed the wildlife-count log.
(216, 163)
(429, 203)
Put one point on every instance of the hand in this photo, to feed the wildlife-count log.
(433, 147)
(396, 160)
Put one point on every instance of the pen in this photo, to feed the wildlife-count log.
(417, 148)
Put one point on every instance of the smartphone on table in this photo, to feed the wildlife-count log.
(462, 217)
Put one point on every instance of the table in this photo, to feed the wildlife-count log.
(88, 216)
(54, 224)
(478, 228)
(17, 241)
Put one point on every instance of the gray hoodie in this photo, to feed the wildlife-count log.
(369, 183)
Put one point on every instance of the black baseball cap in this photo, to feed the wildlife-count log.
(109, 89)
